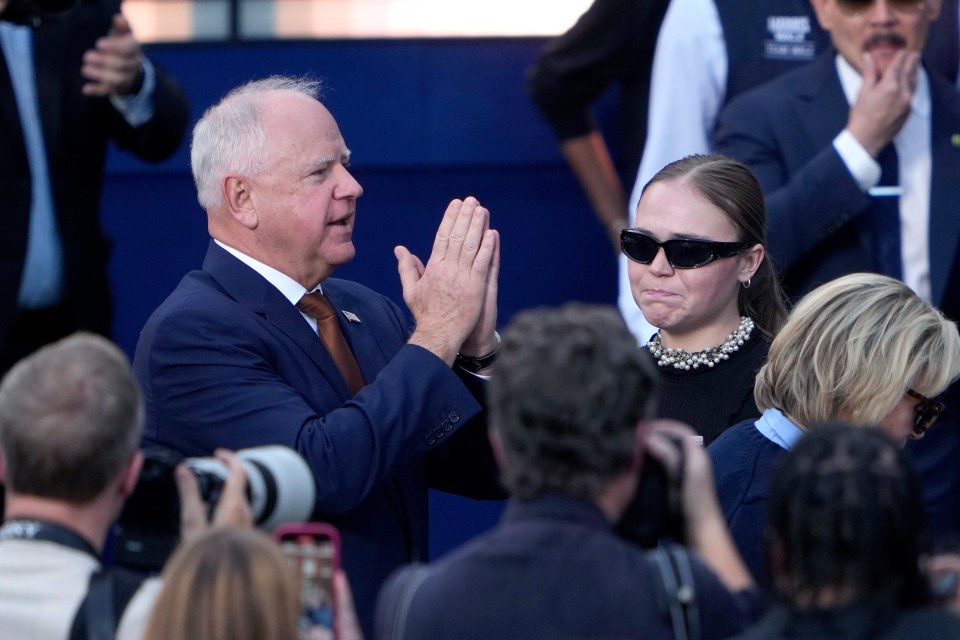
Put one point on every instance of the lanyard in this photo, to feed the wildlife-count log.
(39, 530)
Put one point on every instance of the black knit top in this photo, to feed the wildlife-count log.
(710, 399)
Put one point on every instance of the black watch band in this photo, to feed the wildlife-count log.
(474, 364)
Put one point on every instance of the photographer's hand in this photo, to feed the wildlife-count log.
(232, 508)
(707, 532)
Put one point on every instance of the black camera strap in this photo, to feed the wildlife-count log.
(108, 593)
(107, 597)
(27, 529)
(676, 590)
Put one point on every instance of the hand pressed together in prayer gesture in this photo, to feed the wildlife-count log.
(453, 297)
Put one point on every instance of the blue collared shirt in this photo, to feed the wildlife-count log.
(777, 427)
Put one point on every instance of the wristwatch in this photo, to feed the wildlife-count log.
(475, 363)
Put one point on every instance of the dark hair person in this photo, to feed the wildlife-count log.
(699, 271)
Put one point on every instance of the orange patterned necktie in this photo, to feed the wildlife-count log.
(317, 307)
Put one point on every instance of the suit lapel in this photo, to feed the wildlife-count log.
(249, 289)
(50, 54)
(13, 131)
(944, 230)
(826, 111)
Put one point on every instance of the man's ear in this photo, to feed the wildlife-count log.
(131, 474)
(238, 197)
(3, 469)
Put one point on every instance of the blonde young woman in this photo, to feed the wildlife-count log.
(699, 271)
(862, 349)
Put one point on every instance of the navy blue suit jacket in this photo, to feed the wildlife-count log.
(227, 361)
(553, 569)
(784, 130)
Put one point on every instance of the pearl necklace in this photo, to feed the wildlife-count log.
(680, 359)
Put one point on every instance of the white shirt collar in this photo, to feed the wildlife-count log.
(851, 81)
(290, 288)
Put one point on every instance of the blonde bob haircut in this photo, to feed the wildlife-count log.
(851, 348)
(229, 584)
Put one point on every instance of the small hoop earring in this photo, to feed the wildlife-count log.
(746, 285)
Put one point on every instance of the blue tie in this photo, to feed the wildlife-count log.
(883, 224)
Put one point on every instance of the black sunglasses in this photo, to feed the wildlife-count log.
(681, 254)
(925, 413)
(861, 6)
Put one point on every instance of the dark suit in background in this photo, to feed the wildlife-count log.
(76, 129)
(784, 130)
(553, 568)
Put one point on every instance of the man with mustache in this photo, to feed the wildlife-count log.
(858, 154)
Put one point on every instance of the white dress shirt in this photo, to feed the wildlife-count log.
(287, 286)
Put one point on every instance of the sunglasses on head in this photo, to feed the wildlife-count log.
(925, 413)
(862, 6)
(681, 254)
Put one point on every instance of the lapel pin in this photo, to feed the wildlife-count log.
(351, 316)
(955, 140)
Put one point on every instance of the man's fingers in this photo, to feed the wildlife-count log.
(108, 73)
(492, 238)
(482, 261)
(870, 75)
(446, 226)
(477, 226)
(462, 228)
(406, 267)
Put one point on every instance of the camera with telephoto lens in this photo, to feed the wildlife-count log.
(656, 511)
(280, 488)
(34, 12)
